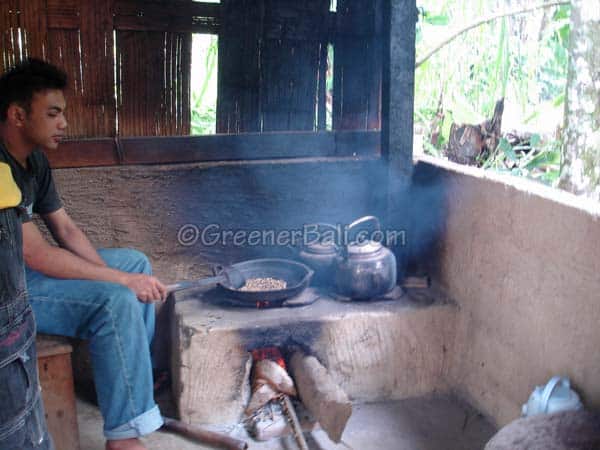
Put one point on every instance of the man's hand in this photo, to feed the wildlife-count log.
(147, 288)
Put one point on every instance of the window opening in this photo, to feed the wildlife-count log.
(329, 89)
(203, 84)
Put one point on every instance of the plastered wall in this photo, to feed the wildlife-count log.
(523, 263)
(145, 207)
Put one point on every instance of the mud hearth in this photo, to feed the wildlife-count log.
(389, 349)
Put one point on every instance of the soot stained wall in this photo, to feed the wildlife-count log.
(145, 206)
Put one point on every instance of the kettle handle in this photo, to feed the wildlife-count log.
(550, 386)
(321, 225)
(363, 220)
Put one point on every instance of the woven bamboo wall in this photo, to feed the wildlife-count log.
(129, 61)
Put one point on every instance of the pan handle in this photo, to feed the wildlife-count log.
(181, 285)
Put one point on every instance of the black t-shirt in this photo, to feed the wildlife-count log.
(36, 183)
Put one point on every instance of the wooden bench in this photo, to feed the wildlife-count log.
(58, 391)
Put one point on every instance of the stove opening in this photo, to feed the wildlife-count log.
(293, 402)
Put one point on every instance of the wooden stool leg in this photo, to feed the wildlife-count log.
(58, 391)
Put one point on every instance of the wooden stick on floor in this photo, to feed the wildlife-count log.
(294, 422)
(203, 436)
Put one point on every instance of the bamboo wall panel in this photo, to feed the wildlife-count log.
(289, 89)
(9, 33)
(269, 64)
(293, 31)
(357, 71)
(64, 14)
(238, 98)
(271, 74)
(34, 23)
(85, 118)
(85, 54)
(153, 83)
(97, 67)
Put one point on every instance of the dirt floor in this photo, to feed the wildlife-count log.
(432, 423)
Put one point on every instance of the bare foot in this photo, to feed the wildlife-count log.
(125, 444)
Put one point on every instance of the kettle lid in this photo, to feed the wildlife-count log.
(321, 248)
(364, 248)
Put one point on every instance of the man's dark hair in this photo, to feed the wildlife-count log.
(21, 82)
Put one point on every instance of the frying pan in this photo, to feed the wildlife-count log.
(231, 278)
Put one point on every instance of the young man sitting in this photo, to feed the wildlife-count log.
(105, 296)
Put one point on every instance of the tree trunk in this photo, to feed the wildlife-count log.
(581, 149)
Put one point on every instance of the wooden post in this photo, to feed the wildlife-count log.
(399, 85)
(397, 112)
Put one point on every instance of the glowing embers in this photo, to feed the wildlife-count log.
(271, 412)
(279, 406)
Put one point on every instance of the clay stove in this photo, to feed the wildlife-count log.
(389, 349)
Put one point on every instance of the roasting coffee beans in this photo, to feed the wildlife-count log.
(263, 284)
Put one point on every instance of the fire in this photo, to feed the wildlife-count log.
(271, 353)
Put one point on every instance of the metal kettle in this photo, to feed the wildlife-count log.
(320, 256)
(365, 268)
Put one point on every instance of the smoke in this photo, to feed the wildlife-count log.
(285, 196)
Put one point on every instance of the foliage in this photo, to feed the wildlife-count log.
(204, 84)
(533, 159)
(522, 58)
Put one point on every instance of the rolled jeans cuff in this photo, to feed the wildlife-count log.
(143, 424)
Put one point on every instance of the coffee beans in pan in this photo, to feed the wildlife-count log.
(263, 284)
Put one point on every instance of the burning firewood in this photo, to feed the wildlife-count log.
(267, 371)
(260, 397)
(270, 410)
(269, 378)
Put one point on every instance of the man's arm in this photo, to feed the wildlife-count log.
(69, 236)
(57, 262)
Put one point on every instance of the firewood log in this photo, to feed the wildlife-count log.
(271, 373)
(325, 400)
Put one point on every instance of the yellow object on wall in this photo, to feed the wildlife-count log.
(10, 195)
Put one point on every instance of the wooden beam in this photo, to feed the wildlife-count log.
(141, 15)
(224, 147)
(357, 143)
(250, 146)
(84, 153)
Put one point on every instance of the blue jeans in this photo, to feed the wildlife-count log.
(119, 328)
